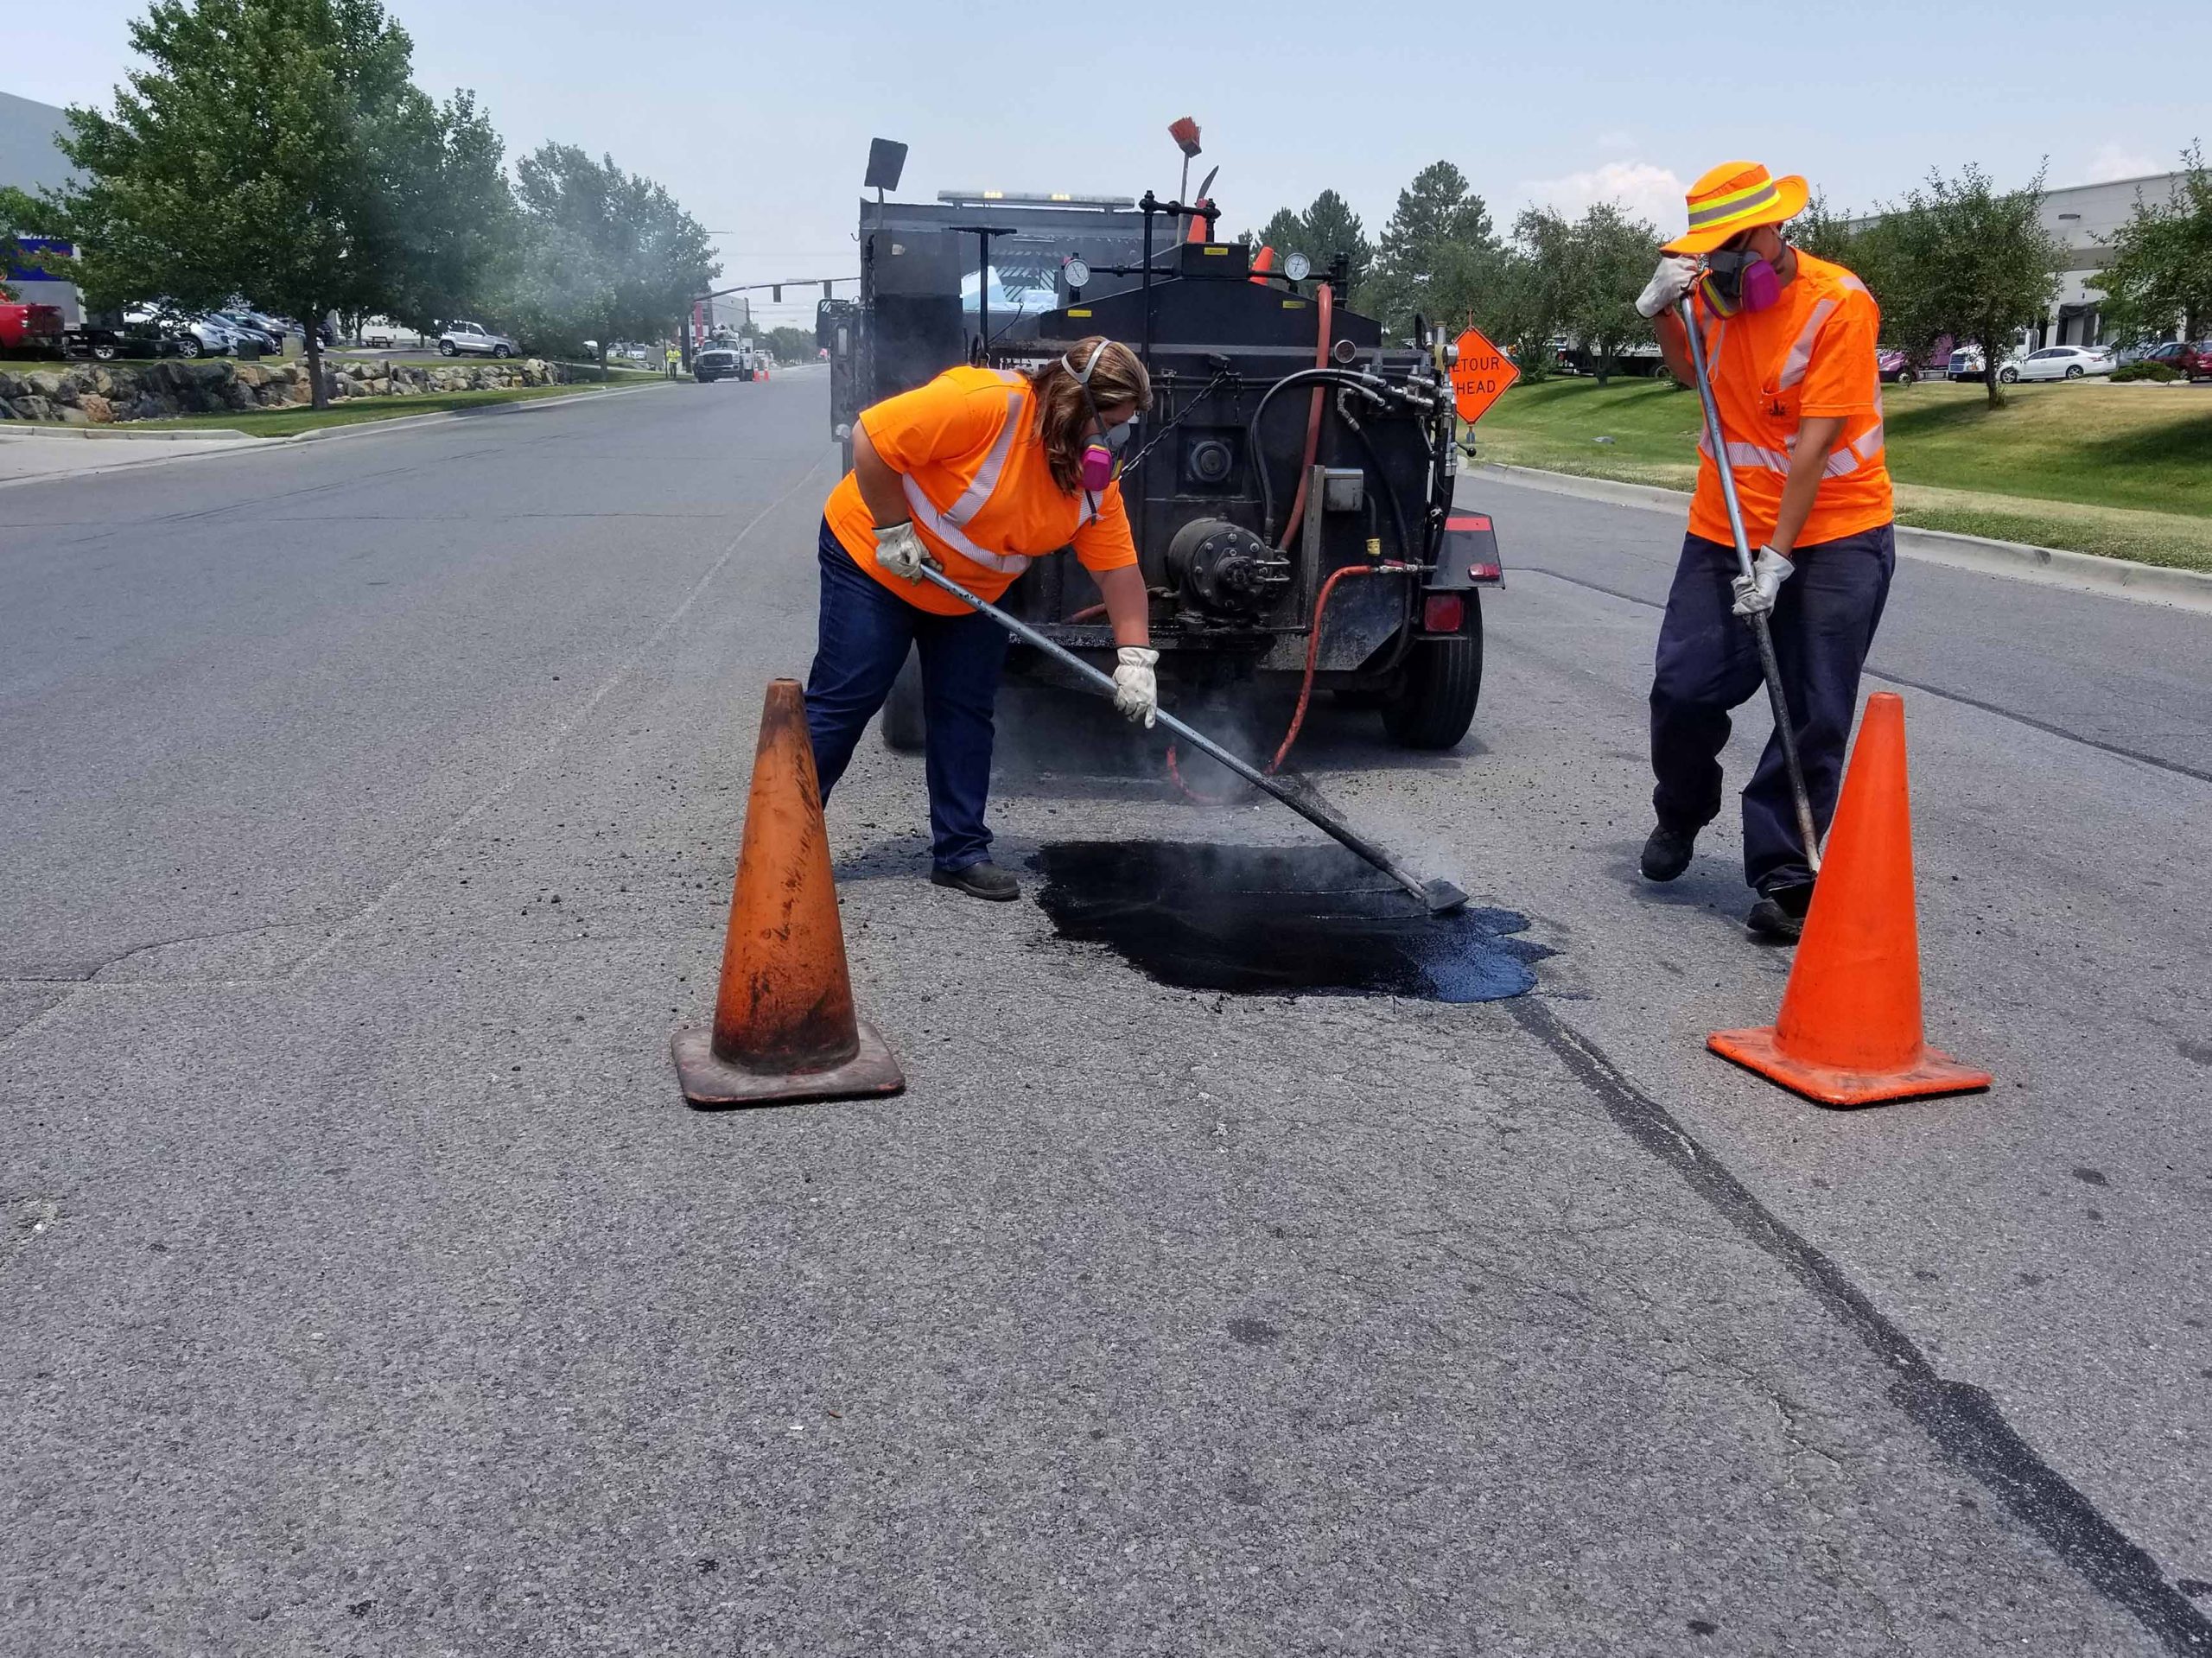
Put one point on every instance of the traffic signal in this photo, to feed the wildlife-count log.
(825, 290)
(776, 292)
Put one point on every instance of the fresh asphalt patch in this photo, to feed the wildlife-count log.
(1277, 921)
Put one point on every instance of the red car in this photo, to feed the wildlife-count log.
(2191, 362)
(34, 329)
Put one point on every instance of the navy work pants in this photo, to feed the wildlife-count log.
(866, 631)
(1823, 624)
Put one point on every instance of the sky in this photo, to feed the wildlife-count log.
(758, 117)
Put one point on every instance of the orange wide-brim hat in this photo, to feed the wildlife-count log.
(1733, 198)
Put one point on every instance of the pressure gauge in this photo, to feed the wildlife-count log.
(1298, 267)
(1077, 273)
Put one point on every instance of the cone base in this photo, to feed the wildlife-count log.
(712, 1084)
(1934, 1072)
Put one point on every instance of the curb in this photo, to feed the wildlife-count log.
(217, 440)
(2050, 567)
(111, 435)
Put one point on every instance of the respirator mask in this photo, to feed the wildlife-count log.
(1738, 279)
(1102, 450)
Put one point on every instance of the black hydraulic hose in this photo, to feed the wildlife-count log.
(1304, 377)
(1406, 550)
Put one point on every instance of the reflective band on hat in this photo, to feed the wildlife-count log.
(1758, 196)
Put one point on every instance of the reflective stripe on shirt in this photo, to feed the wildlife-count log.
(946, 525)
(1800, 351)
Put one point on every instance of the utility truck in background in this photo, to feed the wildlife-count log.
(1290, 491)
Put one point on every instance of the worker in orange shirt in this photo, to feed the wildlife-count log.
(1789, 342)
(981, 471)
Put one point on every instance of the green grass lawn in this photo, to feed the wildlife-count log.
(286, 423)
(2125, 471)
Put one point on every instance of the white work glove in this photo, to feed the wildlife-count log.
(1136, 689)
(898, 550)
(1755, 593)
(1668, 283)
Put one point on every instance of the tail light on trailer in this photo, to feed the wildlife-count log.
(1443, 612)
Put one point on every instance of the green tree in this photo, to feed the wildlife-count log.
(605, 253)
(1329, 227)
(1826, 233)
(1440, 231)
(1582, 278)
(1616, 252)
(790, 344)
(457, 215)
(1285, 233)
(1962, 257)
(270, 151)
(2160, 272)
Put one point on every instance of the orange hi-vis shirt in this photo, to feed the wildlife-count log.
(966, 448)
(1810, 354)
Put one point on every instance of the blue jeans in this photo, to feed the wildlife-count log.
(1823, 625)
(866, 632)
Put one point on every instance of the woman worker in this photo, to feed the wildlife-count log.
(980, 472)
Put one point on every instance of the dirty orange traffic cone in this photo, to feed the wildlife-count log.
(785, 1029)
(1849, 1032)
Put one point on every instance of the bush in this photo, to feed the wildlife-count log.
(2144, 372)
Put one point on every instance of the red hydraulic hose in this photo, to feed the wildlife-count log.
(1305, 684)
(1313, 421)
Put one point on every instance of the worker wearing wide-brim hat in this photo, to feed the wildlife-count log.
(980, 471)
(1789, 340)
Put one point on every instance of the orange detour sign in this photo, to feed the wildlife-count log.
(1479, 374)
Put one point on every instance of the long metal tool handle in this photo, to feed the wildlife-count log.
(1762, 634)
(1250, 773)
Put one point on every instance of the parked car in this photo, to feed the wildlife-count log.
(474, 339)
(249, 335)
(2059, 362)
(34, 330)
(2191, 361)
(196, 336)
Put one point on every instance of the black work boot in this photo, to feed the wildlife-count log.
(1779, 915)
(1666, 854)
(979, 880)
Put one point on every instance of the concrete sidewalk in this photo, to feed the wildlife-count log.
(67, 454)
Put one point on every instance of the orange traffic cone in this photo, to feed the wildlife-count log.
(1849, 1032)
(785, 1028)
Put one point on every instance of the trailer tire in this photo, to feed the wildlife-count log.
(904, 729)
(1433, 704)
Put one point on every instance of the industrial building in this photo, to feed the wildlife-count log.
(2085, 218)
(31, 162)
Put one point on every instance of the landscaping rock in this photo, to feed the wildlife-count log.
(103, 393)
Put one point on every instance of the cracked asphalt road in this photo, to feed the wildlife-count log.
(371, 808)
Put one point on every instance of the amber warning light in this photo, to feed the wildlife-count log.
(1479, 376)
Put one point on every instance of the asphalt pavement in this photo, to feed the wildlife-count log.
(370, 807)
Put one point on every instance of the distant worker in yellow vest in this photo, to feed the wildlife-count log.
(1789, 345)
(674, 361)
